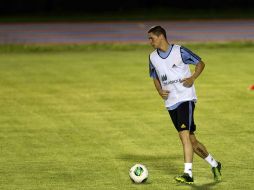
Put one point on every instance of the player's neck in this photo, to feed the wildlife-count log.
(164, 46)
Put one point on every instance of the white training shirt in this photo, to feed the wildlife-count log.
(170, 68)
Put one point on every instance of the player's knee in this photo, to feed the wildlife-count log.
(185, 137)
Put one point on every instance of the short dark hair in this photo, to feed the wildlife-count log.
(158, 30)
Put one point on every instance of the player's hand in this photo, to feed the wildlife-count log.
(164, 94)
(188, 82)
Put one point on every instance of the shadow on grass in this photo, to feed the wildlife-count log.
(166, 164)
(206, 186)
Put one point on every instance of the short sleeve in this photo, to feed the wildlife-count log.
(189, 57)
(152, 70)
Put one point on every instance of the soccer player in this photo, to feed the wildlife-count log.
(169, 68)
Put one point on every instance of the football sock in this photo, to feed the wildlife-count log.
(211, 161)
(188, 168)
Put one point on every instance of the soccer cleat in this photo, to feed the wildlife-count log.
(216, 172)
(185, 178)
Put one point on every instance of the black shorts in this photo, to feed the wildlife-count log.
(182, 116)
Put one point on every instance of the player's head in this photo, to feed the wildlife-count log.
(157, 35)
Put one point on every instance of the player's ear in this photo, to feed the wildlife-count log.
(161, 36)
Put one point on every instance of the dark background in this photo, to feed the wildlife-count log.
(8, 7)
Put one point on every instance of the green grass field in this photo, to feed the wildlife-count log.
(79, 118)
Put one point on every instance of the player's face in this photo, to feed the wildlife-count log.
(155, 41)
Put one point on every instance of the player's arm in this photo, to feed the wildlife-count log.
(198, 70)
(162, 93)
(188, 82)
(189, 57)
(157, 84)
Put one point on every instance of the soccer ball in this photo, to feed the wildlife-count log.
(138, 173)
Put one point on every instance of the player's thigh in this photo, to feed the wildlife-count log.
(185, 116)
(173, 116)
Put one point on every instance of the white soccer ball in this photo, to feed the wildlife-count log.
(138, 173)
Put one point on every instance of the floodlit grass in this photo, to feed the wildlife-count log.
(80, 118)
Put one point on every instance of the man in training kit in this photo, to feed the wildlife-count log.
(169, 68)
